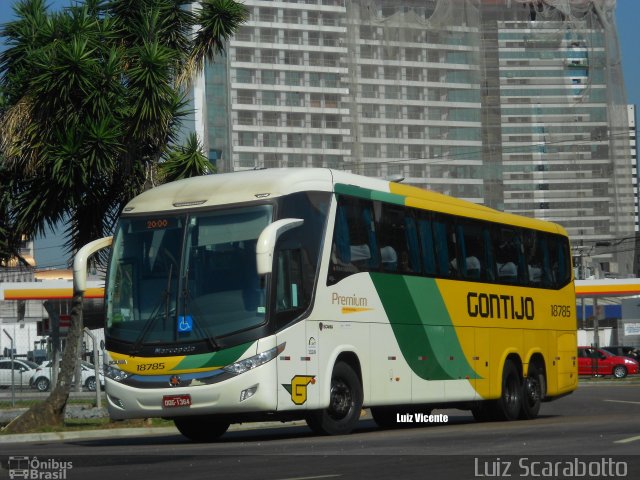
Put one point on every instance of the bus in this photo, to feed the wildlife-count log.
(290, 294)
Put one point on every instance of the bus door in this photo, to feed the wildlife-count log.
(294, 381)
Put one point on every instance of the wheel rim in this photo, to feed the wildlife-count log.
(619, 372)
(532, 391)
(91, 385)
(341, 400)
(42, 385)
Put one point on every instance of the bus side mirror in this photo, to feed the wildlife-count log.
(81, 259)
(267, 242)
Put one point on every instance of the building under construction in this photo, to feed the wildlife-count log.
(518, 105)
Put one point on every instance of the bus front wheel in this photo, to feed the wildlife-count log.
(345, 404)
(200, 429)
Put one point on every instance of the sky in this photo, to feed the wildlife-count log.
(49, 252)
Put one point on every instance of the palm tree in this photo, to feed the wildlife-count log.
(93, 97)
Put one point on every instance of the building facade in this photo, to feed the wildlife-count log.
(514, 104)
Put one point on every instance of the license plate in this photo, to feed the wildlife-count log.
(170, 401)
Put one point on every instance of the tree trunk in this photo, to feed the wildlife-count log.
(51, 411)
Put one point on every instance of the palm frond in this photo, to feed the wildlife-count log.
(217, 21)
(185, 161)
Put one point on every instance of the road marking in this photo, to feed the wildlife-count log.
(628, 440)
(314, 478)
(622, 401)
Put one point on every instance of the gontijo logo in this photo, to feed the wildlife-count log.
(508, 307)
(298, 388)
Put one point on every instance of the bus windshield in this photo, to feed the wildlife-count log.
(185, 278)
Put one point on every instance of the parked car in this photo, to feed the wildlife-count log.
(596, 361)
(42, 376)
(23, 370)
(631, 352)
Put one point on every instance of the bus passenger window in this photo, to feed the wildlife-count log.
(355, 246)
(509, 257)
(470, 241)
(535, 248)
(411, 261)
(426, 243)
(489, 264)
(445, 247)
(442, 252)
(560, 261)
(394, 241)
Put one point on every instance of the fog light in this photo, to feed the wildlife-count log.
(248, 393)
(116, 401)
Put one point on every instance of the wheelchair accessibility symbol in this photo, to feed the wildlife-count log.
(185, 323)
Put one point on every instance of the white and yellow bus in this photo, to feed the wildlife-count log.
(312, 293)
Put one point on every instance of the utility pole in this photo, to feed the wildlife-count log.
(13, 383)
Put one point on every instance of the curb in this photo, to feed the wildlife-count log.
(129, 432)
(85, 434)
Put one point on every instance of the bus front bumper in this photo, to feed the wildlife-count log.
(252, 391)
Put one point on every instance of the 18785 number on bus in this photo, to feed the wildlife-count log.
(560, 311)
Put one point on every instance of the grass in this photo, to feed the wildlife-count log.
(6, 404)
(80, 424)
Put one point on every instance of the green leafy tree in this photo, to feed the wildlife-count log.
(91, 105)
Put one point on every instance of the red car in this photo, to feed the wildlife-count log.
(595, 361)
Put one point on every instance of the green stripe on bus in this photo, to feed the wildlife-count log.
(220, 358)
(360, 192)
(422, 327)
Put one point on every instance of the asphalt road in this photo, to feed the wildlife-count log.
(593, 433)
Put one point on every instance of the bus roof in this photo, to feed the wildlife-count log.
(252, 185)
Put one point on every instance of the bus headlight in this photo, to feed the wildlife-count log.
(115, 373)
(250, 363)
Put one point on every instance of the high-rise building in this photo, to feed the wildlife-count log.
(518, 105)
(633, 153)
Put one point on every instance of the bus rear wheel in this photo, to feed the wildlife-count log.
(532, 393)
(483, 412)
(508, 406)
(201, 429)
(387, 417)
(345, 404)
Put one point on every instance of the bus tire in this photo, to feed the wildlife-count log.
(201, 429)
(483, 411)
(387, 417)
(508, 406)
(345, 404)
(532, 393)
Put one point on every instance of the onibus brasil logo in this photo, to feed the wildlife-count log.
(33, 468)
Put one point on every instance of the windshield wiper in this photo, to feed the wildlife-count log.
(164, 301)
(186, 295)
